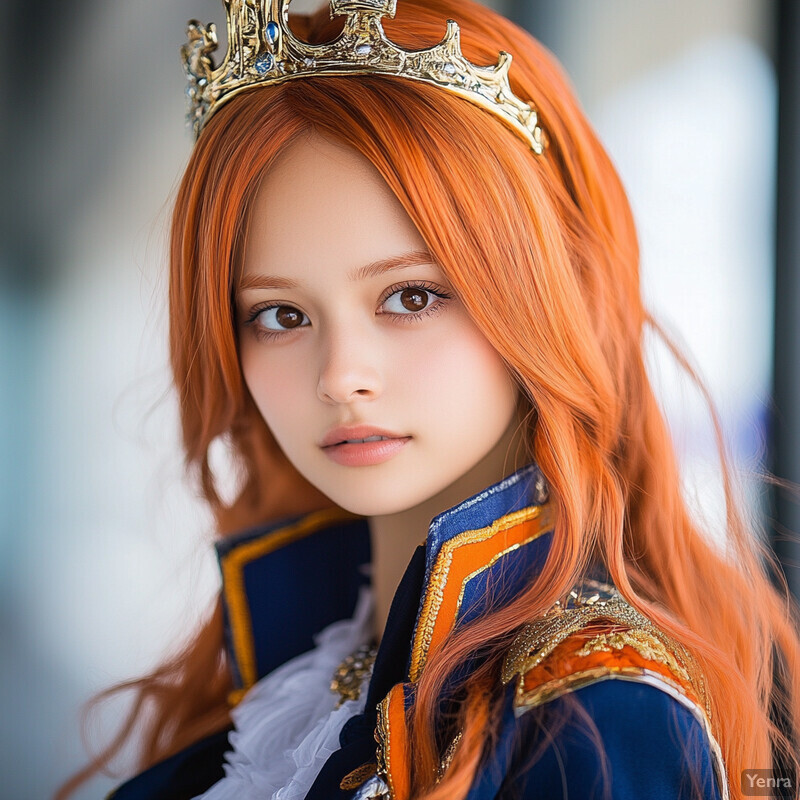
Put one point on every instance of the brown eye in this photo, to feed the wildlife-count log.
(288, 317)
(280, 318)
(414, 299)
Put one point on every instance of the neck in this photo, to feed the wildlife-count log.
(394, 537)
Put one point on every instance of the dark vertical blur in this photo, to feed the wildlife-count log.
(47, 172)
(785, 422)
(785, 433)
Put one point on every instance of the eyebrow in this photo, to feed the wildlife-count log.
(416, 258)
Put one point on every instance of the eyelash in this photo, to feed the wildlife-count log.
(267, 334)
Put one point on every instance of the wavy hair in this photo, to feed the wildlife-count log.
(556, 235)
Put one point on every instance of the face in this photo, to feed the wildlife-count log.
(348, 330)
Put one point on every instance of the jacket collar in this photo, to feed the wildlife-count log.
(485, 548)
(283, 582)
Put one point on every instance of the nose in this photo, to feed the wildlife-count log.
(349, 367)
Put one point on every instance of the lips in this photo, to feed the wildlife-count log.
(343, 434)
(348, 447)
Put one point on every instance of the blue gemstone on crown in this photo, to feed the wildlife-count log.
(272, 31)
(264, 64)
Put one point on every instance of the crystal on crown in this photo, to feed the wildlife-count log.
(262, 50)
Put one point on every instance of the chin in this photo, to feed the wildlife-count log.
(367, 502)
(370, 507)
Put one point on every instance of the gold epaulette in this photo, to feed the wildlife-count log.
(593, 634)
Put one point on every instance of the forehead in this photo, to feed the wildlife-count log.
(323, 204)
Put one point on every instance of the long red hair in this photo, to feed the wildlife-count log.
(542, 252)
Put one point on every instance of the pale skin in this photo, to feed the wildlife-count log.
(392, 347)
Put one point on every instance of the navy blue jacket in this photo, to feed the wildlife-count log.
(591, 668)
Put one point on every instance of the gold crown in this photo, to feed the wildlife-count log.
(262, 51)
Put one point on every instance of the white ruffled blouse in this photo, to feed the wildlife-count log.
(287, 725)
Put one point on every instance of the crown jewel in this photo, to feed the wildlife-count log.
(262, 50)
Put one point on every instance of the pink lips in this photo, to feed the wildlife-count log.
(360, 454)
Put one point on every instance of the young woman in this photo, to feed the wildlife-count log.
(458, 563)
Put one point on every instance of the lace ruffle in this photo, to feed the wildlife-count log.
(287, 725)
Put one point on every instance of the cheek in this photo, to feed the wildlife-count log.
(275, 397)
(462, 376)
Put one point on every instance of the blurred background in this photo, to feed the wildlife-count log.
(107, 558)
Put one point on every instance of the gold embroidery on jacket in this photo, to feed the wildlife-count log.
(586, 603)
(383, 753)
(448, 757)
(358, 777)
(647, 645)
(563, 651)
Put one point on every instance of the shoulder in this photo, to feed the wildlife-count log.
(594, 670)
